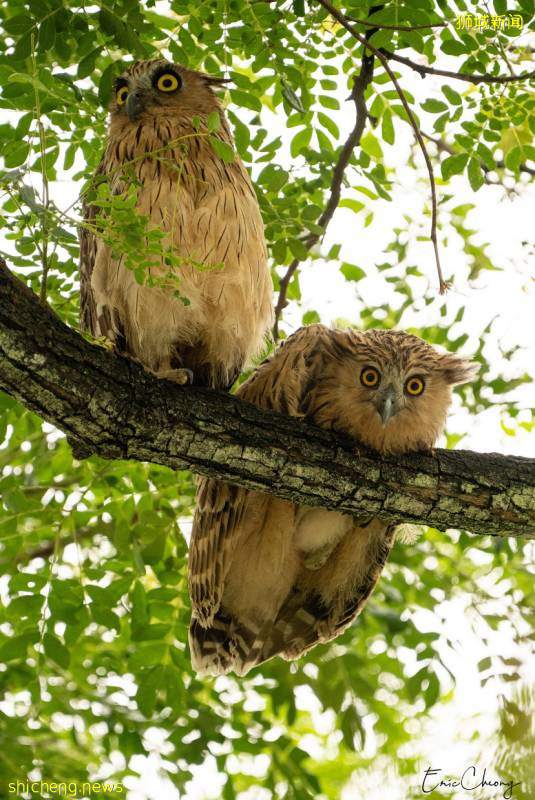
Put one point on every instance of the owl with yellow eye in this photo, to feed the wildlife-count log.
(160, 143)
(268, 577)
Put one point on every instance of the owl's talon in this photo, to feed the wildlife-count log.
(317, 558)
(182, 376)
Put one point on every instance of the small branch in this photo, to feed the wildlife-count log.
(382, 26)
(360, 84)
(424, 70)
(44, 177)
(48, 548)
(110, 406)
(379, 53)
(444, 147)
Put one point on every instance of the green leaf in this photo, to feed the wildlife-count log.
(147, 692)
(434, 106)
(223, 149)
(453, 165)
(486, 155)
(47, 34)
(87, 64)
(273, 177)
(56, 650)
(513, 159)
(291, 98)
(278, 251)
(354, 205)
(329, 102)
(453, 96)
(329, 124)
(246, 99)
(370, 145)
(18, 24)
(213, 121)
(16, 646)
(475, 174)
(453, 48)
(300, 141)
(387, 128)
(106, 83)
(351, 272)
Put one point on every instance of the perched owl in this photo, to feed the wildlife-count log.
(268, 577)
(209, 214)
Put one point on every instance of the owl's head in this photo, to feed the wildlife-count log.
(161, 88)
(388, 389)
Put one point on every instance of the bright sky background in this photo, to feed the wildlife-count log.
(503, 222)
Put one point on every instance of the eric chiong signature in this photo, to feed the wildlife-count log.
(469, 781)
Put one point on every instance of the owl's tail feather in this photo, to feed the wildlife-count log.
(226, 645)
(303, 621)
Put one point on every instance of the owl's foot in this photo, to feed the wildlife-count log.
(317, 558)
(183, 376)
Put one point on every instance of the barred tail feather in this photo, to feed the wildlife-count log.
(304, 620)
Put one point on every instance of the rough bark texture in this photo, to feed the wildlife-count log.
(110, 406)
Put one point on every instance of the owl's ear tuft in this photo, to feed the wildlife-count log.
(214, 80)
(458, 370)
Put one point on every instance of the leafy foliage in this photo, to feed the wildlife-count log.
(95, 610)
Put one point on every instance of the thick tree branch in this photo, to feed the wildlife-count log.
(110, 406)
(357, 95)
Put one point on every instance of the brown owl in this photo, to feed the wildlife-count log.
(209, 215)
(268, 577)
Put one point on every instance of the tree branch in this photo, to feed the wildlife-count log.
(382, 26)
(424, 70)
(357, 95)
(443, 285)
(444, 147)
(110, 406)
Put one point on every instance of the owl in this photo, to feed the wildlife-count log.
(268, 577)
(208, 214)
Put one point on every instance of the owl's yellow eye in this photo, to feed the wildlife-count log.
(167, 82)
(370, 377)
(121, 95)
(414, 386)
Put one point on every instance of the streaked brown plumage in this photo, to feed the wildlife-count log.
(209, 213)
(268, 577)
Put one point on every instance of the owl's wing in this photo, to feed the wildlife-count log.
(307, 618)
(219, 510)
(88, 252)
(280, 384)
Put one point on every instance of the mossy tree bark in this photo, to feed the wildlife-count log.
(110, 406)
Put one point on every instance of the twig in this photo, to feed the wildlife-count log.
(45, 199)
(382, 58)
(360, 84)
(48, 548)
(444, 147)
(380, 25)
(424, 70)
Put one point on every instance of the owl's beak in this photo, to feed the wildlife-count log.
(134, 105)
(388, 405)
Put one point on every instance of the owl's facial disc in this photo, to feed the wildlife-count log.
(136, 95)
(390, 392)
